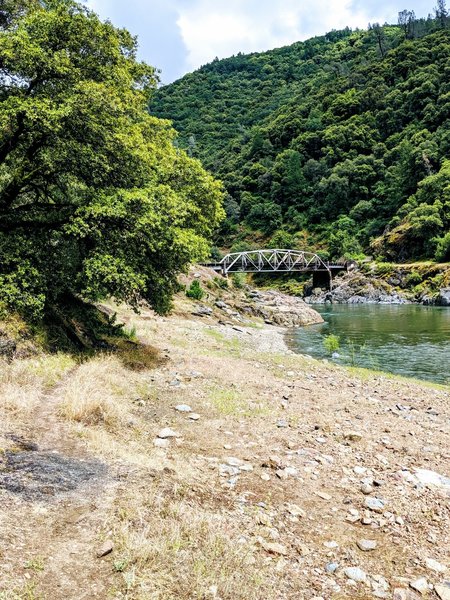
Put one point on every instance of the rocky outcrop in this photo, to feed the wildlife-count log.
(280, 309)
(356, 288)
(443, 297)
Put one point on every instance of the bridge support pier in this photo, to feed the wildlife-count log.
(322, 279)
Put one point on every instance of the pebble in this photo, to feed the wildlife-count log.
(420, 585)
(366, 489)
(434, 565)
(287, 472)
(234, 462)
(194, 416)
(353, 436)
(374, 504)
(443, 591)
(275, 548)
(282, 424)
(331, 544)
(265, 477)
(168, 433)
(331, 567)
(323, 495)
(366, 545)
(184, 408)
(161, 443)
(105, 549)
(355, 573)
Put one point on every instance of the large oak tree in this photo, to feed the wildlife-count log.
(95, 200)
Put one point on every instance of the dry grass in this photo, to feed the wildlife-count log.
(171, 549)
(98, 393)
(23, 382)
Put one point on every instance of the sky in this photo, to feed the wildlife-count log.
(178, 36)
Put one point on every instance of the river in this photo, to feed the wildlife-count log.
(409, 339)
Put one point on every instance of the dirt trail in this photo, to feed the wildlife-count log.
(50, 525)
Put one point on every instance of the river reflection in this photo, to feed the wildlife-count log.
(410, 340)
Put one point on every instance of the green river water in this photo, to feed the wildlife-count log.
(408, 339)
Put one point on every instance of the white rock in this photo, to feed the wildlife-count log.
(420, 585)
(185, 408)
(355, 573)
(194, 416)
(168, 433)
(161, 443)
(366, 545)
(443, 591)
(434, 565)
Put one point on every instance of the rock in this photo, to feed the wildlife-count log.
(366, 545)
(234, 462)
(420, 585)
(287, 472)
(331, 567)
(221, 304)
(168, 433)
(331, 545)
(202, 311)
(265, 477)
(295, 510)
(374, 504)
(228, 470)
(282, 423)
(7, 347)
(274, 548)
(427, 477)
(161, 443)
(366, 489)
(183, 408)
(194, 416)
(443, 591)
(434, 565)
(105, 549)
(353, 436)
(355, 573)
(443, 297)
(323, 495)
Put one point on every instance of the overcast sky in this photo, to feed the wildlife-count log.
(178, 36)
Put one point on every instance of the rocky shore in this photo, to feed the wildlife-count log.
(358, 287)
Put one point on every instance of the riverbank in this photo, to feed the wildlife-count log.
(386, 283)
(232, 469)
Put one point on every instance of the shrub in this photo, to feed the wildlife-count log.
(239, 280)
(331, 343)
(195, 291)
(443, 248)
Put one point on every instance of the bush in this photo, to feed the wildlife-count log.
(239, 280)
(331, 343)
(443, 248)
(414, 278)
(195, 291)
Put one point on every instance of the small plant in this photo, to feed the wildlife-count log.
(239, 280)
(331, 343)
(35, 564)
(221, 282)
(195, 291)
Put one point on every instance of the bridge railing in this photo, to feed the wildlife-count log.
(282, 260)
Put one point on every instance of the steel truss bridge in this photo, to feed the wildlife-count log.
(279, 261)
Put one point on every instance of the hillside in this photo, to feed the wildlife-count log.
(342, 140)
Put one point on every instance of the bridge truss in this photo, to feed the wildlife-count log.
(266, 261)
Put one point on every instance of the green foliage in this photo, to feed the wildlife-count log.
(239, 280)
(95, 200)
(331, 343)
(195, 290)
(350, 125)
(443, 248)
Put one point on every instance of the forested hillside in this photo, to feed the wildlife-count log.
(343, 139)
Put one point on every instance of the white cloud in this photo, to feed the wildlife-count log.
(225, 27)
